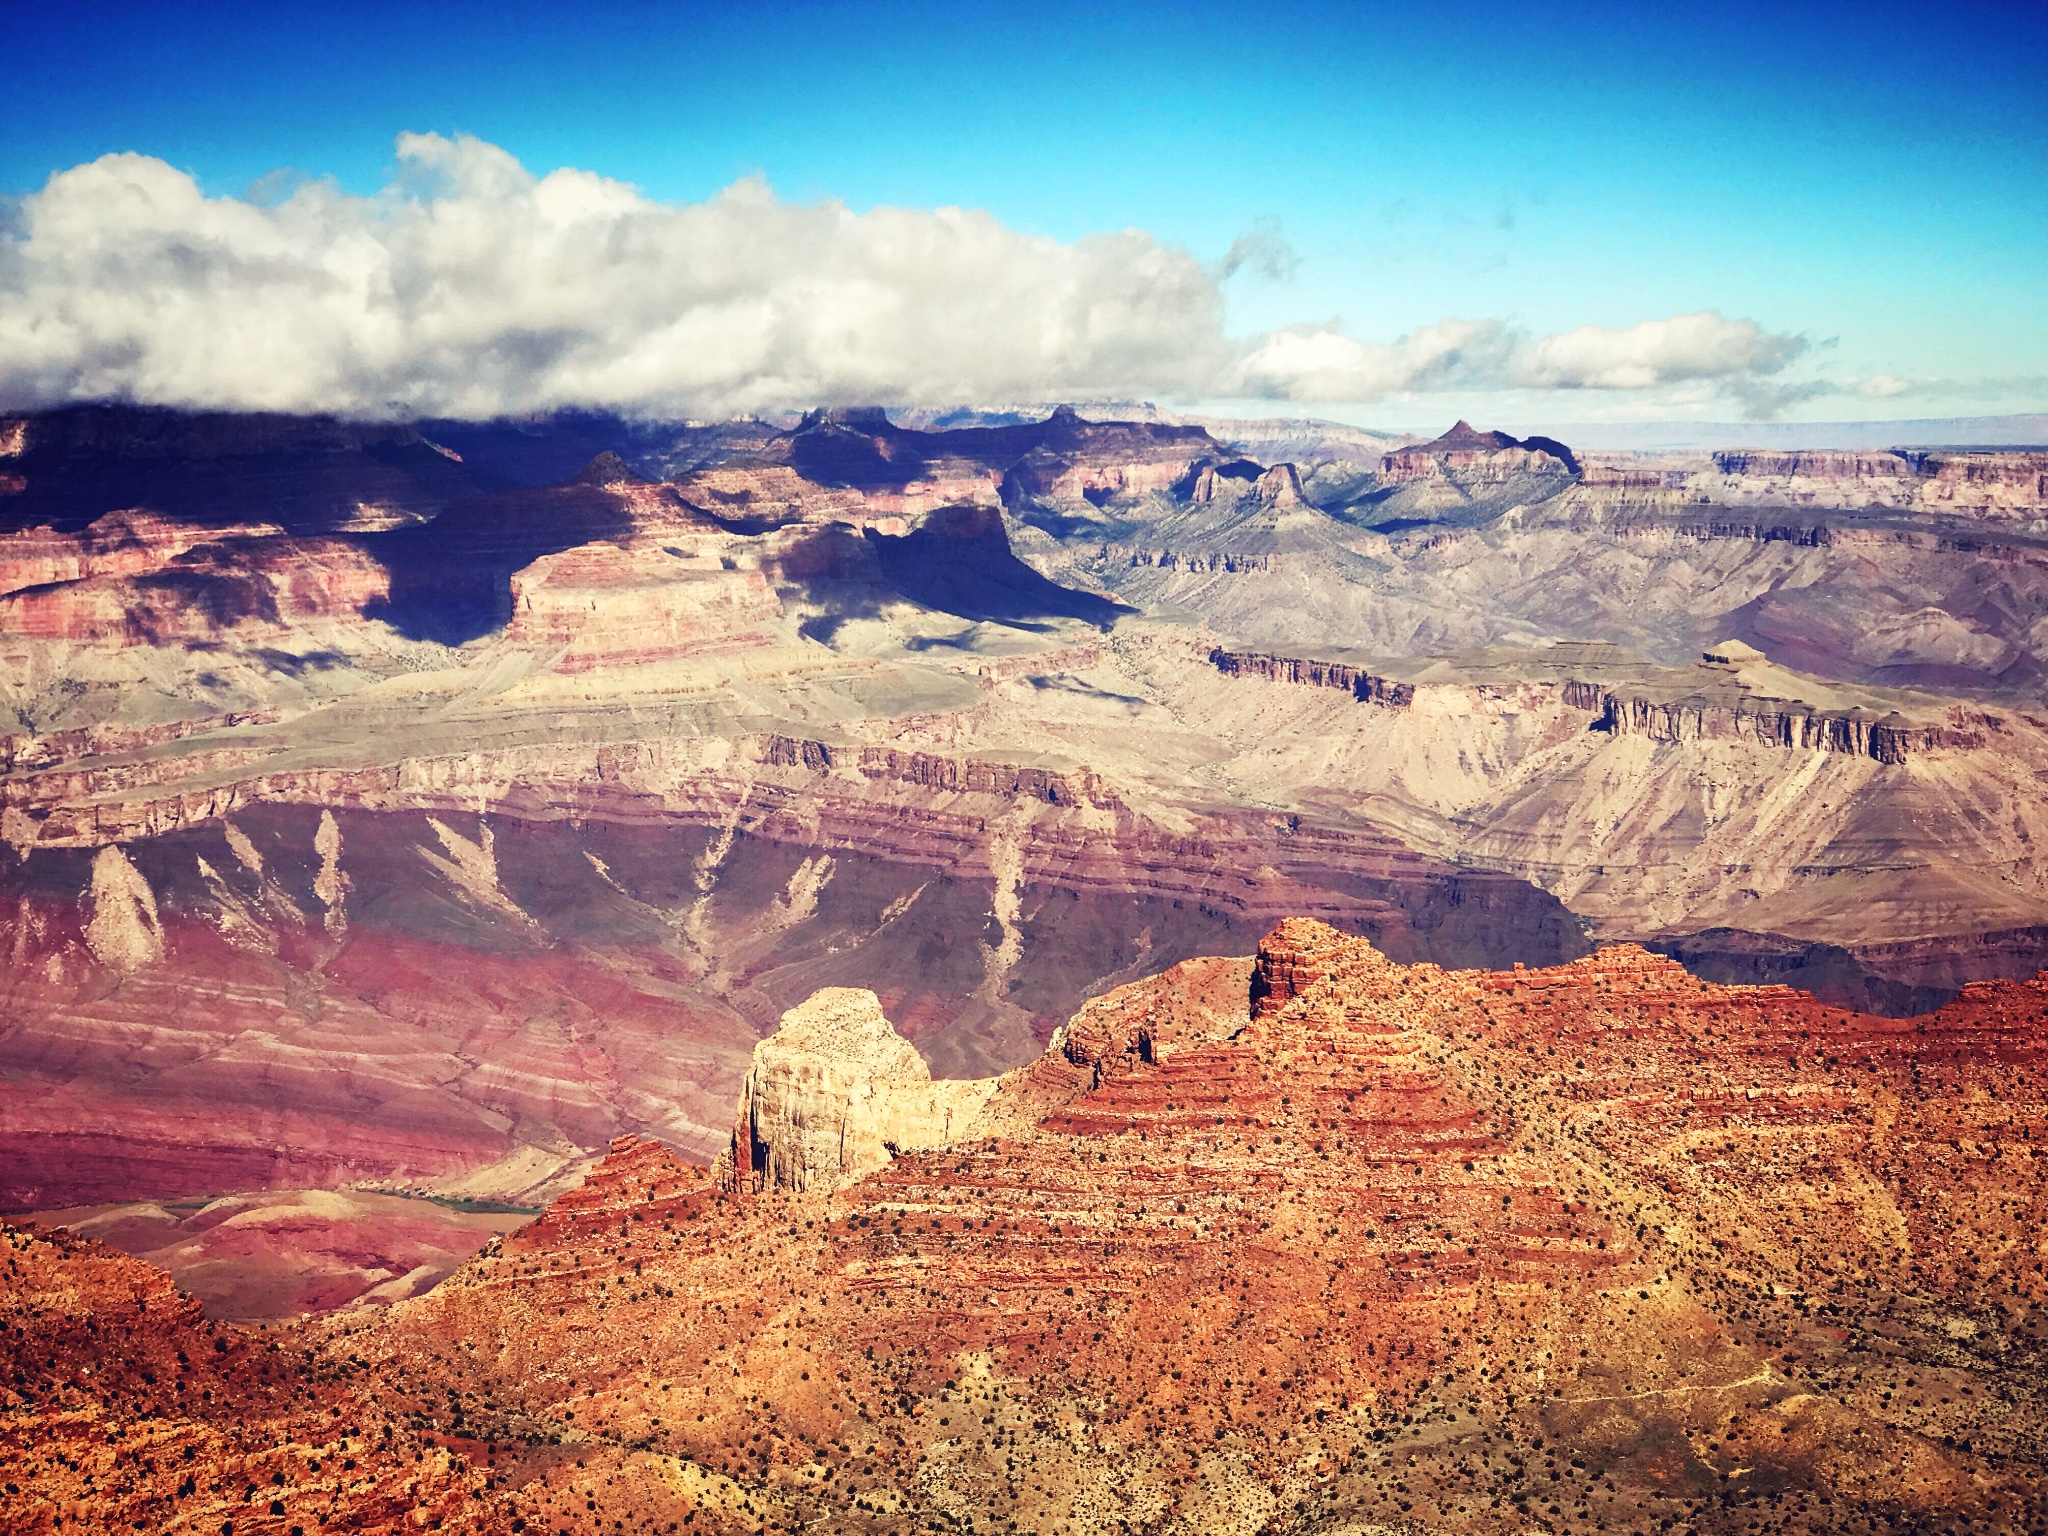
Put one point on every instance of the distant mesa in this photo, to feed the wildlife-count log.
(1733, 653)
(1555, 449)
(1466, 438)
(860, 418)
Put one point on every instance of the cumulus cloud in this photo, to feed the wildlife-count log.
(1707, 345)
(1321, 363)
(471, 287)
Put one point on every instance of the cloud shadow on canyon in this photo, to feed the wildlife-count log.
(959, 561)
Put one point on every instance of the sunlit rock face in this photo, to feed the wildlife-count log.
(835, 1093)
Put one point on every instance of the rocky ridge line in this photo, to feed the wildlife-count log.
(1772, 722)
(1361, 685)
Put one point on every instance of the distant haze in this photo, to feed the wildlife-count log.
(1925, 432)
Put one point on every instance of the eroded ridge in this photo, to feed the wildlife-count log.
(1319, 1243)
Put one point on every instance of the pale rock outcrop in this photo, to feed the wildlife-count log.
(330, 885)
(124, 933)
(835, 1093)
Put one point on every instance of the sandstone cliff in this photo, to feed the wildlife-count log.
(1752, 714)
(1984, 482)
(835, 1093)
(1361, 685)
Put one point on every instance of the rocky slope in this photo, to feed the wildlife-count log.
(503, 990)
(1591, 1247)
(128, 1407)
(1731, 794)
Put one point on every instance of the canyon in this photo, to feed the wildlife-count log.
(403, 818)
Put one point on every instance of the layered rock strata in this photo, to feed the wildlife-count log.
(1625, 1262)
(501, 988)
(1776, 722)
(1589, 1247)
(1362, 686)
(1987, 482)
(484, 764)
(1731, 794)
(1891, 739)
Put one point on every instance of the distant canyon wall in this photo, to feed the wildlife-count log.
(479, 968)
(1361, 685)
(1771, 723)
(1891, 739)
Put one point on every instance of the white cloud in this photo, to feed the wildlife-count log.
(1707, 345)
(1310, 363)
(1321, 363)
(471, 287)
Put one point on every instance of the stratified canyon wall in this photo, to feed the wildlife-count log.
(420, 806)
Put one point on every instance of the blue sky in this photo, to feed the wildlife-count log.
(1871, 179)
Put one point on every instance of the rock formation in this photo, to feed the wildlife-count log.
(835, 1093)
(521, 776)
(1588, 1247)
(1993, 484)
(1362, 686)
(125, 933)
(1471, 453)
